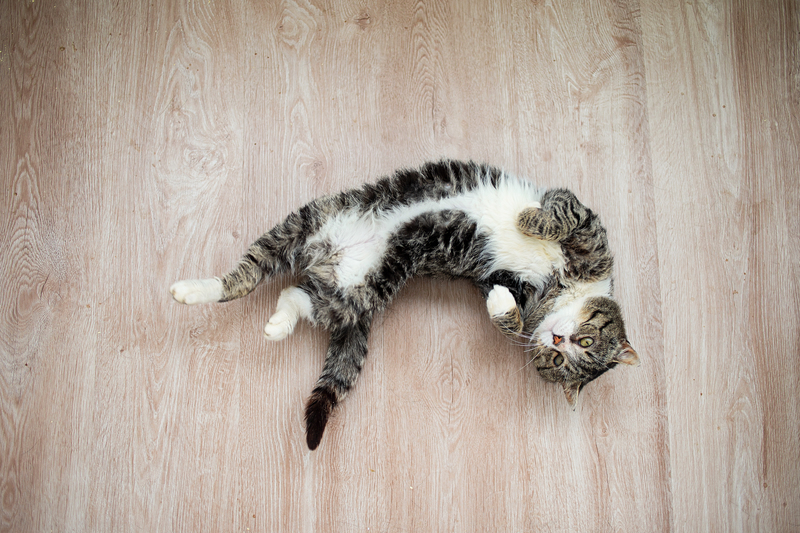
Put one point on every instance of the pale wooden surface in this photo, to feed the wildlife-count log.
(147, 142)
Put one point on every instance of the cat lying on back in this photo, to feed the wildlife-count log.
(540, 258)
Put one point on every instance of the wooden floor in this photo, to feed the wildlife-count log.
(146, 142)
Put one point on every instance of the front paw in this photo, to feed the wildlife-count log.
(534, 222)
(197, 291)
(500, 301)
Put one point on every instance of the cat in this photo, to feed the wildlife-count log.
(539, 257)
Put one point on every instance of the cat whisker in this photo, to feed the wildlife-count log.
(525, 365)
(525, 341)
(524, 344)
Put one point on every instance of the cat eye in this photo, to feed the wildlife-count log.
(586, 342)
(558, 359)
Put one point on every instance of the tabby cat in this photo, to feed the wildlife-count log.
(539, 257)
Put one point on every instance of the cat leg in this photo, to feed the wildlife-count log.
(564, 219)
(276, 251)
(560, 214)
(504, 312)
(197, 291)
(235, 284)
(293, 304)
(346, 354)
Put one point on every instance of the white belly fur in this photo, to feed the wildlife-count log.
(359, 241)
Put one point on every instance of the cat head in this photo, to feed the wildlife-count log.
(578, 342)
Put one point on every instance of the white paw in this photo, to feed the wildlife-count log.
(500, 301)
(197, 291)
(280, 326)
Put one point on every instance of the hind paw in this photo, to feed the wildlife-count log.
(197, 291)
(280, 326)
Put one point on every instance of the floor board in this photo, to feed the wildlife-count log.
(145, 143)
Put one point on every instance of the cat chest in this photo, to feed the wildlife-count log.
(352, 244)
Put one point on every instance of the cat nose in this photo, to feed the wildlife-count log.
(557, 339)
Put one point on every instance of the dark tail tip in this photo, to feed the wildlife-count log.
(318, 410)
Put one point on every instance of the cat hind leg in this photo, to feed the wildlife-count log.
(293, 304)
(272, 253)
(197, 291)
(237, 283)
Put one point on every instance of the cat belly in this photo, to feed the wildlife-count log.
(354, 245)
(355, 242)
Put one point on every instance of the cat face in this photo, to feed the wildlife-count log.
(580, 341)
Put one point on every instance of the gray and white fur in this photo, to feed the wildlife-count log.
(539, 257)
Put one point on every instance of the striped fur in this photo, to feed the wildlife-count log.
(541, 259)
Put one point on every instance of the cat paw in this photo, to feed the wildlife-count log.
(280, 326)
(500, 301)
(534, 222)
(197, 291)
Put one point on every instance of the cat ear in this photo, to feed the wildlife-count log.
(571, 392)
(628, 355)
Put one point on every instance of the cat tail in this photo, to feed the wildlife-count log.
(343, 362)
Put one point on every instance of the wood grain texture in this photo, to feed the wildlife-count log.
(144, 143)
(726, 83)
